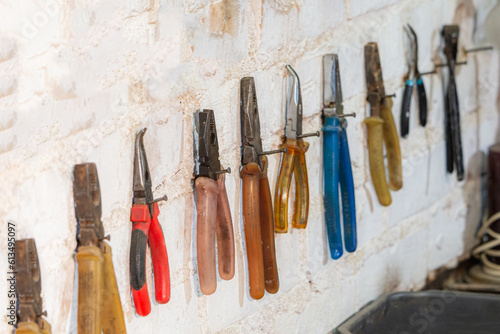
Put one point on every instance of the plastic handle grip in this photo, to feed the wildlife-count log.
(301, 186)
(141, 219)
(267, 232)
(405, 109)
(393, 150)
(347, 191)
(90, 283)
(422, 102)
(224, 232)
(250, 175)
(160, 258)
(456, 135)
(283, 186)
(205, 239)
(112, 319)
(331, 185)
(30, 327)
(374, 127)
(449, 144)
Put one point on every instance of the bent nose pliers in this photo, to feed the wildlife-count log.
(412, 77)
(337, 163)
(214, 215)
(293, 161)
(146, 229)
(257, 202)
(381, 129)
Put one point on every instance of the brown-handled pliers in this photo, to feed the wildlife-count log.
(214, 215)
(257, 202)
(293, 161)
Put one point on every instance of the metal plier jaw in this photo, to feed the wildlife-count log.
(293, 161)
(257, 202)
(29, 288)
(381, 128)
(214, 215)
(146, 229)
(87, 199)
(337, 163)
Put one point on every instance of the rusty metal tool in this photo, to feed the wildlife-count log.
(453, 135)
(413, 77)
(293, 161)
(146, 230)
(258, 219)
(214, 215)
(29, 288)
(99, 306)
(337, 167)
(381, 129)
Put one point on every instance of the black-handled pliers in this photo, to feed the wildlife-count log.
(413, 77)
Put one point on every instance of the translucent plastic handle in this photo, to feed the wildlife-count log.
(301, 211)
(393, 150)
(224, 229)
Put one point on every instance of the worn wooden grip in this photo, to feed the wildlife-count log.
(250, 175)
(301, 210)
(112, 319)
(90, 286)
(374, 126)
(205, 238)
(224, 229)
(392, 148)
(267, 232)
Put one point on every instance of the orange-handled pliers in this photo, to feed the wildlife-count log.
(293, 161)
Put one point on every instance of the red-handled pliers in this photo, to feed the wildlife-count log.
(146, 229)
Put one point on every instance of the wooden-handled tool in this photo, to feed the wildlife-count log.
(214, 215)
(381, 129)
(258, 219)
(99, 306)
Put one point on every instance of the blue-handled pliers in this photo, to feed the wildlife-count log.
(337, 163)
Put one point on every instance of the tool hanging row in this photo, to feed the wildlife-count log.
(99, 306)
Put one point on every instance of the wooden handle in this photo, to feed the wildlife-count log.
(90, 283)
(267, 232)
(112, 319)
(250, 175)
(205, 238)
(393, 150)
(225, 235)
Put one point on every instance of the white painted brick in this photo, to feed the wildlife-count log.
(79, 87)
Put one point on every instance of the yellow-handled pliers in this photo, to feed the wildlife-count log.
(293, 161)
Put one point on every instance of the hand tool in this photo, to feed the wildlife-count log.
(454, 156)
(146, 229)
(214, 215)
(293, 161)
(29, 289)
(380, 127)
(337, 162)
(99, 306)
(258, 218)
(413, 76)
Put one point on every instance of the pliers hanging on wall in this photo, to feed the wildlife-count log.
(337, 163)
(453, 134)
(99, 306)
(258, 218)
(293, 161)
(412, 77)
(146, 229)
(214, 215)
(29, 289)
(381, 129)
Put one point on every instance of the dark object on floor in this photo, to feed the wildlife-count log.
(427, 312)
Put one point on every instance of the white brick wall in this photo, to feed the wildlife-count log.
(79, 78)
